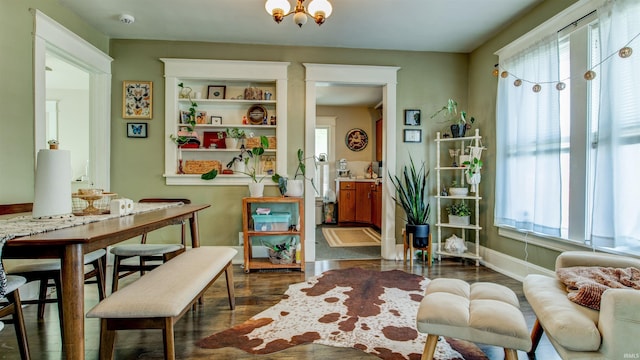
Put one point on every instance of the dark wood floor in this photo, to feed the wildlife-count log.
(254, 293)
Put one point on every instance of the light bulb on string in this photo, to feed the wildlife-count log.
(590, 75)
(495, 72)
(537, 88)
(561, 86)
(625, 52)
(504, 74)
(517, 82)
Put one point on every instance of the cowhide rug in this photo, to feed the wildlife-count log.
(371, 311)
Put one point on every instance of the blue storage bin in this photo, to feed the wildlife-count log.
(276, 221)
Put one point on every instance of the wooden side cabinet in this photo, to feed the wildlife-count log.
(360, 202)
(249, 232)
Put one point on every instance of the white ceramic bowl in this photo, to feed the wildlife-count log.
(458, 191)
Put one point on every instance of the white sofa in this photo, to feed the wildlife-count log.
(578, 332)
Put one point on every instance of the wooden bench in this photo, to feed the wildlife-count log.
(159, 298)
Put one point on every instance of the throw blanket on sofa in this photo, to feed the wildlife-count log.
(586, 284)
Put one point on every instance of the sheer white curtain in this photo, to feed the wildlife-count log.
(528, 142)
(616, 190)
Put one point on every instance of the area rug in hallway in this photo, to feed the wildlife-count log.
(351, 236)
(367, 310)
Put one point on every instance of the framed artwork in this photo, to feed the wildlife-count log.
(356, 139)
(216, 91)
(137, 130)
(137, 99)
(201, 117)
(412, 117)
(216, 120)
(412, 135)
(184, 117)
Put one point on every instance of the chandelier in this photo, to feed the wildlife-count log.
(319, 10)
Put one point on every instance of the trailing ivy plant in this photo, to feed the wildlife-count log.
(191, 120)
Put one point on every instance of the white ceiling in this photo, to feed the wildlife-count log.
(414, 25)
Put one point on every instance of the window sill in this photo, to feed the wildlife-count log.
(541, 241)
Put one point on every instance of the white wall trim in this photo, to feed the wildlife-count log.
(385, 76)
(553, 25)
(510, 266)
(50, 36)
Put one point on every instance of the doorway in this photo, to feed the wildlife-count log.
(385, 77)
(53, 40)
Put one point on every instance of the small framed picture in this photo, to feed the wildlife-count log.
(411, 135)
(184, 117)
(137, 99)
(201, 117)
(137, 130)
(412, 117)
(216, 91)
(216, 120)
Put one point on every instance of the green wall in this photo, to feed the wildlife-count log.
(16, 93)
(425, 81)
(482, 95)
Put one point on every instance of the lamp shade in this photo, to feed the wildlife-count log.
(320, 5)
(271, 5)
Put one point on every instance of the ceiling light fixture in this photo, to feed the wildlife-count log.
(319, 10)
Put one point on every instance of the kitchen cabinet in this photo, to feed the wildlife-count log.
(376, 206)
(360, 202)
(363, 202)
(347, 202)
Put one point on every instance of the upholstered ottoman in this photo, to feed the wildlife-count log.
(483, 312)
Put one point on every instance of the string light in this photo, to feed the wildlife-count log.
(623, 53)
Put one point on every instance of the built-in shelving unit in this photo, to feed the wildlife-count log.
(449, 173)
(234, 77)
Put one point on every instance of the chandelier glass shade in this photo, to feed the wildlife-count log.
(319, 10)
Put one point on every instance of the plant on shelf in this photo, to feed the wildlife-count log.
(459, 119)
(187, 135)
(295, 186)
(411, 196)
(472, 172)
(457, 190)
(458, 208)
(246, 156)
(234, 135)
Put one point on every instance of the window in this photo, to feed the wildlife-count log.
(569, 150)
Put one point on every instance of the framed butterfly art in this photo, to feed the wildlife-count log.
(137, 130)
(137, 99)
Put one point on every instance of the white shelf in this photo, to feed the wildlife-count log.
(443, 201)
(228, 101)
(236, 76)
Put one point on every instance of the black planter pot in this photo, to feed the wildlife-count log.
(458, 130)
(420, 235)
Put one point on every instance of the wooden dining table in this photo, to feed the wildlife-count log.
(70, 244)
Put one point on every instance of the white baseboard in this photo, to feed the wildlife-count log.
(510, 266)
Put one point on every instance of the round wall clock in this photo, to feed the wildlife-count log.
(356, 139)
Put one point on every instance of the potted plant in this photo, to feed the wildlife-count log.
(472, 172)
(256, 186)
(411, 195)
(456, 190)
(459, 213)
(459, 119)
(187, 135)
(234, 135)
(295, 187)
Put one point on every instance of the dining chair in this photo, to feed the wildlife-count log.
(9, 286)
(48, 270)
(148, 254)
